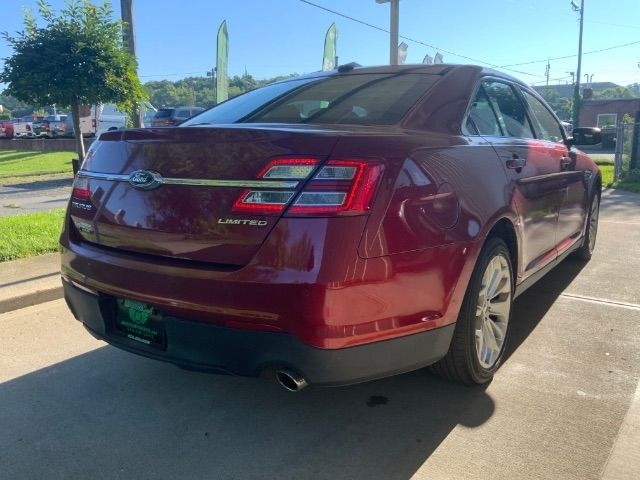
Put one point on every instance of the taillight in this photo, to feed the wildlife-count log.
(340, 187)
(81, 189)
(93, 123)
(270, 201)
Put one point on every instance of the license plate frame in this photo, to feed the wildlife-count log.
(140, 322)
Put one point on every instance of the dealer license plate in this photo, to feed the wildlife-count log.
(140, 322)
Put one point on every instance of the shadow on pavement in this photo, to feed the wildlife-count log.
(531, 307)
(111, 414)
(37, 185)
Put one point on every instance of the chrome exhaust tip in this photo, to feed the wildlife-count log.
(292, 381)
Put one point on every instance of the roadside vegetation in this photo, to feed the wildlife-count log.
(30, 234)
(27, 167)
(631, 182)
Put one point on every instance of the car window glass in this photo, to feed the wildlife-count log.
(547, 127)
(368, 99)
(483, 116)
(163, 113)
(510, 110)
(182, 114)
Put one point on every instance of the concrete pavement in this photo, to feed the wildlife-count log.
(29, 282)
(32, 197)
(565, 404)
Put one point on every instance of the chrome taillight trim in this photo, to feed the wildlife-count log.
(196, 182)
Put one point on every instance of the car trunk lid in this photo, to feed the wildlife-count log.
(171, 191)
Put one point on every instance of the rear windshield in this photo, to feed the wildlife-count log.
(364, 99)
(163, 113)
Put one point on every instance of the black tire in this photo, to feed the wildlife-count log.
(462, 363)
(585, 252)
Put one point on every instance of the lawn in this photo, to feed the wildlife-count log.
(630, 183)
(30, 234)
(15, 164)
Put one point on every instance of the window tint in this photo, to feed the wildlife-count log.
(510, 110)
(483, 116)
(547, 127)
(165, 113)
(183, 114)
(367, 99)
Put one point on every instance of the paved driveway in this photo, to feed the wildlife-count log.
(35, 196)
(565, 404)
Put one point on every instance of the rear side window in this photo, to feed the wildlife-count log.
(183, 114)
(547, 127)
(483, 115)
(366, 99)
(510, 110)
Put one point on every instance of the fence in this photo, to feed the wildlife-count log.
(42, 145)
(627, 156)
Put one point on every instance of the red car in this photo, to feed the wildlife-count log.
(334, 228)
(6, 129)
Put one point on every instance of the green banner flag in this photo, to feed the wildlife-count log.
(330, 51)
(222, 58)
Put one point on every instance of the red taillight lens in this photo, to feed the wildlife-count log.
(81, 189)
(269, 201)
(340, 187)
(93, 123)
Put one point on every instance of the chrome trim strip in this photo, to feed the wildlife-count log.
(114, 177)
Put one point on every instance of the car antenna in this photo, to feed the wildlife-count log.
(347, 67)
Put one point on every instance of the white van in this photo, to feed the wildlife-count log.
(98, 119)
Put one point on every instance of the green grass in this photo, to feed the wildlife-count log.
(30, 234)
(15, 164)
(630, 183)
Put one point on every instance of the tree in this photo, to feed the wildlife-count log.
(615, 92)
(77, 58)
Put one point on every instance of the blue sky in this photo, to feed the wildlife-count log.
(177, 38)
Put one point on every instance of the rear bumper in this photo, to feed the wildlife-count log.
(207, 347)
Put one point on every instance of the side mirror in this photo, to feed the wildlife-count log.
(585, 136)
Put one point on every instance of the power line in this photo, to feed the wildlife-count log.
(362, 22)
(572, 56)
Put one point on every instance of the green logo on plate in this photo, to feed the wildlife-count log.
(139, 312)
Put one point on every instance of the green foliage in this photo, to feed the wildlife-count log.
(199, 91)
(562, 106)
(15, 164)
(77, 58)
(615, 92)
(30, 234)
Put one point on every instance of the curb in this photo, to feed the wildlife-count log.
(30, 299)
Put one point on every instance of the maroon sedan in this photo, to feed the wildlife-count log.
(333, 228)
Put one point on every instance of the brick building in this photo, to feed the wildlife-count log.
(607, 112)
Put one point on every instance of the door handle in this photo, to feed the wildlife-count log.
(565, 163)
(516, 163)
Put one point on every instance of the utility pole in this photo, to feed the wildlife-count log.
(546, 72)
(129, 37)
(576, 86)
(394, 20)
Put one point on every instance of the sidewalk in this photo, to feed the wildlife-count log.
(29, 281)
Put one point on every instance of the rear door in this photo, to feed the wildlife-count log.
(573, 206)
(534, 191)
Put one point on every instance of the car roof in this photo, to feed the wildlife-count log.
(437, 69)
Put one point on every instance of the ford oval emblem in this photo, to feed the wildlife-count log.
(145, 180)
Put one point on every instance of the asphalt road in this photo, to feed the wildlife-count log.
(565, 404)
(32, 197)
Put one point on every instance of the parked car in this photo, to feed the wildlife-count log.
(87, 124)
(6, 129)
(51, 126)
(23, 127)
(385, 230)
(166, 117)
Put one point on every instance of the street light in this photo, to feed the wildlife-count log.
(394, 20)
(576, 87)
